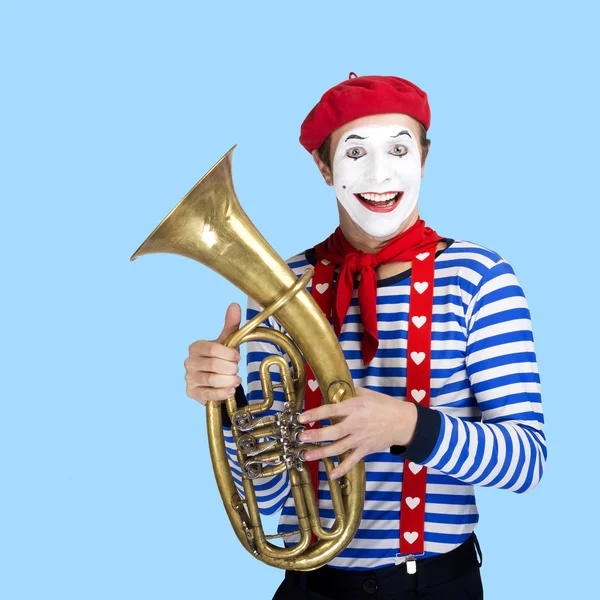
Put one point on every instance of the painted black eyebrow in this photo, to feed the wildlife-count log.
(354, 136)
(403, 131)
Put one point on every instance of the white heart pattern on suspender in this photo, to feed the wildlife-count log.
(418, 357)
(417, 395)
(423, 255)
(418, 321)
(312, 384)
(411, 536)
(412, 503)
(421, 286)
(322, 287)
(414, 467)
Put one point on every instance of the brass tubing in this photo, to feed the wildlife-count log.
(294, 551)
(209, 225)
(273, 470)
(315, 519)
(336, 490)
(266, 457)
(265, 431)
(267, 384)
(260, 447)
(287, 345)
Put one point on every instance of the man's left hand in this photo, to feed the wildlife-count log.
(370, 422)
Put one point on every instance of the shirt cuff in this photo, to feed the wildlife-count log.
(426, 435)
(240, 400)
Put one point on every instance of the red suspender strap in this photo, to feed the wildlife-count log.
(412, 512)
(321, 292)
(418, 371)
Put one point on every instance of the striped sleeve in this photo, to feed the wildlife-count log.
(271, 492)
(505, 447)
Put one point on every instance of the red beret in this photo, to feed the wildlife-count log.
(358, 97)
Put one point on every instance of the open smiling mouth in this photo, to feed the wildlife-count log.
(385, 202)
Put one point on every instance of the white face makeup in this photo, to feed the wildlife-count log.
(377, 176)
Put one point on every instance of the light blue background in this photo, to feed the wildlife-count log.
(111, 111)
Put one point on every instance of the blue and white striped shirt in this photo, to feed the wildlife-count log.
(488, 428)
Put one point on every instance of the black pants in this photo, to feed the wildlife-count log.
(451, 576)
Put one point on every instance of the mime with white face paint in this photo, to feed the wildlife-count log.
(437, 334)
(377, 190)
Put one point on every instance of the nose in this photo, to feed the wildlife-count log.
(379, 170)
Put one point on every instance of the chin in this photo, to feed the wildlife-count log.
(384, 230)
(378, 235)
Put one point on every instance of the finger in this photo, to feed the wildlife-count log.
(214, 349)
(204, 395)
(211, 365)
(212, 380)
(324, 434)
(334, 449)
(347, 464)
(233, 318)
(326, 411)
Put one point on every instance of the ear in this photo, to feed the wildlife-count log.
(424, 161)
(325, 171)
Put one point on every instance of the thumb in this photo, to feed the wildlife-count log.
(233, 318)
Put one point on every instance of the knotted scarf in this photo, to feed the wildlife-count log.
(336, 249)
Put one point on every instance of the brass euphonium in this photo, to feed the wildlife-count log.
(209, 226)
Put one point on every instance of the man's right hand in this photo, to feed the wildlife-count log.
(211, 368)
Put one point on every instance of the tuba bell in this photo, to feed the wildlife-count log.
(209, 225)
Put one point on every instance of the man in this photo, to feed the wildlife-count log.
(437, 335)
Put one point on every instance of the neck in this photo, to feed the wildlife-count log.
(368, 243)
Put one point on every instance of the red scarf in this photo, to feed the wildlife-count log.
(336, 249)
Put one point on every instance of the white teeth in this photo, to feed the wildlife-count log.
(379, 197)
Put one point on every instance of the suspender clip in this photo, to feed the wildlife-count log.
(411, 564)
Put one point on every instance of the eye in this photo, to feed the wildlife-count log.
(356, 152)
(399, 150)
